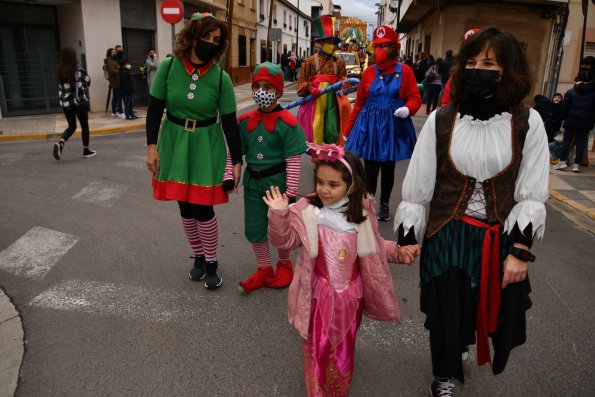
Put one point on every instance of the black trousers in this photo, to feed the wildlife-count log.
(387, 178)
(82, 113)
(580, 140)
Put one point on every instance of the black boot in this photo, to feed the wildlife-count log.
(198, 271)
(212, 280)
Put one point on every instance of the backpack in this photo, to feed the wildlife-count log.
(144, 71)
(430, 74)
(105, 73)
(291, 65)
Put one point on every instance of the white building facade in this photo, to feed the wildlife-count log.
(290, 28)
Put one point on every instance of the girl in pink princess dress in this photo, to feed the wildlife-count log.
(342, 270)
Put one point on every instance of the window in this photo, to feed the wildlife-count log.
(275, 14)
(241, 50)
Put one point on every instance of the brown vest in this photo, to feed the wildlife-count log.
(454, 189)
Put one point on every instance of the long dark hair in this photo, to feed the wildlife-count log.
(356, 186)
(195, 30)
(66, 66)
(515, 83)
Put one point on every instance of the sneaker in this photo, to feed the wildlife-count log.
(442, 387)
(212, 279)
(561, 165)
(130, 117)
(554, 161)
(574, 167)
(122, 115)
(58, 146)
(198, 271)
(115, 114)
(88, 153)
(383, 212)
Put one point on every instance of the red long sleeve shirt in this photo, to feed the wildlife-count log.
(408, 92)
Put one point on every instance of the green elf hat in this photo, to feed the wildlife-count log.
(197, 16)
(270, 73)
(325, 26)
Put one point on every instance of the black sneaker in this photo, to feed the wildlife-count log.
(198, 271)
(58, 146)
(212, 279)
(442, 387)
(383, 212)
(88, 153)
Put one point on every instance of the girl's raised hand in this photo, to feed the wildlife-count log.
(275, 200)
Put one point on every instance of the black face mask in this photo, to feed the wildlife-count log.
(480, 83)
(205, 51)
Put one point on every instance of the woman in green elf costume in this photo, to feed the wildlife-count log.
(189, 161)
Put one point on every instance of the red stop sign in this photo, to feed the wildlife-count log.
(172, 11)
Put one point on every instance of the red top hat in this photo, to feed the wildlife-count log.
(386, 34)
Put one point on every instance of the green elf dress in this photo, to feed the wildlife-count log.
(191, 145)
(267, 140)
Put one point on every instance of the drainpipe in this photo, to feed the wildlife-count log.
(556, 73)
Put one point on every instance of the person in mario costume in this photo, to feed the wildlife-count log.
(380, 129)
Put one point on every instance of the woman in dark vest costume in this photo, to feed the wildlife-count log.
(481, 163)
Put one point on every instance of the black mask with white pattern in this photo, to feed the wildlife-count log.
(263, 98)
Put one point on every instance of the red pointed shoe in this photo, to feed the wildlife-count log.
(257, 279)
(282, 277)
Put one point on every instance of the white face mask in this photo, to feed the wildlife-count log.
(128, 67)
(338, 204)
(263, 98)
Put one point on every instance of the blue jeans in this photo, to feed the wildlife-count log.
(128, 105)
(117, 101)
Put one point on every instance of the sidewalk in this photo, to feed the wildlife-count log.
(51, 126)
(576, 190)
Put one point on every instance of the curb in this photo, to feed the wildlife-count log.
(57, 135)
(577, 206)
(12, 345)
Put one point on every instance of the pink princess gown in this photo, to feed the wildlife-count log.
(336, 314)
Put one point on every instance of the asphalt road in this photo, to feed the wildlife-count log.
(97, 269)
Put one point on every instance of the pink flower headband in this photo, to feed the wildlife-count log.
(330, 153)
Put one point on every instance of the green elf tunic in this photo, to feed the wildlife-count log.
(267, 140)
(192, 162)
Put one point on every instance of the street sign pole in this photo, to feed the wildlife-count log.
(172, 12)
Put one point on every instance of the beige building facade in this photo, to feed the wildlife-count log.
(549, 30)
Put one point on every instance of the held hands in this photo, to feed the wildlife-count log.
(152, 159)
(237, 173)
(402, 112)
(407, 254)
(344, 87)
(275, 200)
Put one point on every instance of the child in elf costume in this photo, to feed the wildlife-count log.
(272, 142)
(322, 119)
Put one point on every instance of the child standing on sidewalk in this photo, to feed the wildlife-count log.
(342, 268)
(272, 142)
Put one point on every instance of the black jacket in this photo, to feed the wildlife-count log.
(578, 108)
(126, 84)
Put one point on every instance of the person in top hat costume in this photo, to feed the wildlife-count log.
(272, 142)
(380, 129)
(324, 118)
(189, 160)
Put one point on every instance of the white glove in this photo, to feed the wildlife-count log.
(402, 112)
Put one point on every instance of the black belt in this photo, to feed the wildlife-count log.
(189, 124)
(266, 172)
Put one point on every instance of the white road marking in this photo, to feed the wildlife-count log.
(127, 301)
(139, 162)
(102, 194)
(36, 252)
